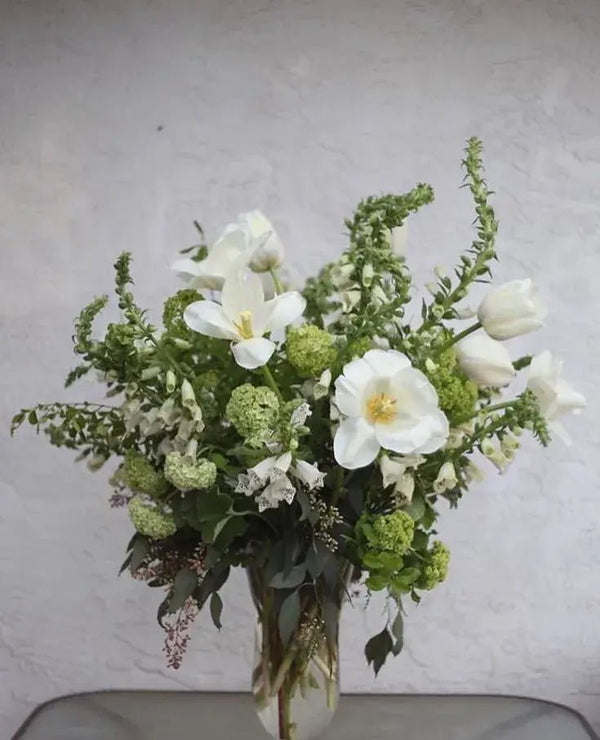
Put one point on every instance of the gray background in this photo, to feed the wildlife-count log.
(120, 122)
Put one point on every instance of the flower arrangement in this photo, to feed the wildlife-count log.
(306, 436)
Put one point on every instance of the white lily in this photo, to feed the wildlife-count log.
(244, 317)
(386, 404)
(555, 396)
(251, 238)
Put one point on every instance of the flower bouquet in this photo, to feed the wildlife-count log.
(307, 437)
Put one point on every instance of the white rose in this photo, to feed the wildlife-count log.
(555, 396)
(484, 360)
(512, 309)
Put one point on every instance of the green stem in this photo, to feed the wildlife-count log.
(279, 287)
(457, 337)
(270, 381)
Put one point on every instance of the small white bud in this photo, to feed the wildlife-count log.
(171, 381)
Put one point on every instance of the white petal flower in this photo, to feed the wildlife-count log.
(495, 455)
(555, 396)
(308, 474)
(485, 361)
(280, 489)
(446, 478)
(397, 472)
(300, 415)
(512, 309)
(321, 388)
(387, 404)
(244, 317)
(398, 238)
(264, 245)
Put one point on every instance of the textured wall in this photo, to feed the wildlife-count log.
(121, 122)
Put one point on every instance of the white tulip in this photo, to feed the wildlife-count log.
(251, 240)
(484, 360)
(512, 309)
(555, 396)
(244, 317)
(385, 403)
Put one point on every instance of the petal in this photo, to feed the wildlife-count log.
(283, 310)
(354, 444)
(243, 291)
(253, 353)
(227, 250)
(386, 362)
(208, 317)
(348, 398)
(422, 435)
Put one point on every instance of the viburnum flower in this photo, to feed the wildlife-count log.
(555, 396)
(251, 238)
(244, 317)
(512, 309)
(387, 404)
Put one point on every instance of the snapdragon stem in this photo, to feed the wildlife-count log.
(270, 381)
(279, 287)
(461, 335)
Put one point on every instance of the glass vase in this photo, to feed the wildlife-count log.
(295, 683)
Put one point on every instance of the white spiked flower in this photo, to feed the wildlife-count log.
(244, 317)
(308, 474)
(387, 404)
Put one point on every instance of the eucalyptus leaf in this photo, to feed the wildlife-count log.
(141, 548)
(184, 586)
(290, 580)
(398, 633)
(216, 608)
(289, 615)
(378, 648)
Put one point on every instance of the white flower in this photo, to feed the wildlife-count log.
(554, 395)
(243, 316)
(251, 239)
(321, 388)
(308, 474)
(446, 478)
(512, 309)
(300, 415)
(398, 239)
(495, 455)
(387, 404)
(396, 472)
(484, 360)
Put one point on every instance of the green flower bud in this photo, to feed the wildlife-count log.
(436, 569)
(393, 532)
(139, 474)
(457, 394)
(252, 410)
(173, 311)
(310, 350)
(359, 347)
(186, 474)
(150, 521)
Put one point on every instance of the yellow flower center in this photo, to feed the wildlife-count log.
(244, 326)
(381, 409)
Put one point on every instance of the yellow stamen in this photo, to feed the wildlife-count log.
(245, 325)
(381, 409)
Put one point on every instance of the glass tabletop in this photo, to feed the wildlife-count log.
(179, 715)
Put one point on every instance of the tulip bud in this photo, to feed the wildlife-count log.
(512, 309)
(267, 249)
(485, 361)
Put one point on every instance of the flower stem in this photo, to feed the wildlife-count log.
(279, 287)
(270, 381)
(461, 335)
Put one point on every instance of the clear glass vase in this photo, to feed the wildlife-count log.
(296, 684)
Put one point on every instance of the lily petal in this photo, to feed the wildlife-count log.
(253, 353)
(283, 310)
(208, 317)
(354, 444)
(243, 291)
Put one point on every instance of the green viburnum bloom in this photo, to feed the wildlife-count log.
(393, 532)
(173, 309)
(252, 410)
(457, 394)
(139, 474)
(359, 347)
(310, 350)
(150, 521)
(186, 474)
(436, 569)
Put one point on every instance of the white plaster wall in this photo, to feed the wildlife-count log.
(120, 122)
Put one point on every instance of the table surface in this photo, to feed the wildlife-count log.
(181, 715)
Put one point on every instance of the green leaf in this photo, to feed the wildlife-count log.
(289, 614)
(32, 417)
(216, 608)
(376, 582)
(398, 632)
(291, 580)
(162, 612)
(416, 508)
(183, 587)
(378, 648)
(316, 558)
(331, 617)
(212, 505)
(141, 548)
(227, 530)
(16, 422)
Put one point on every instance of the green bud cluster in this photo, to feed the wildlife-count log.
(457, 394)
(253, 411)
(358, 347)
(150, 521)
(119, 335)
(173, 309)
(187, 474)
(139, 474)
(436, 569)
(393, 532)
(310, 350)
